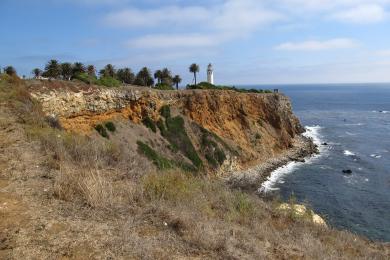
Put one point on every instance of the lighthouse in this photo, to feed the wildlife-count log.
(210, 74)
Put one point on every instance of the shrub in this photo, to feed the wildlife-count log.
(214, 154)
(102, 131)
(257, 136)
(108, 82)
(165, 111)
(149, 123)
(178, 137)
(161, 126)
(158, 160)
(110, 126)
(163, 86)
(53, 122)
(206, 85)
(173, 186)
(84, 77)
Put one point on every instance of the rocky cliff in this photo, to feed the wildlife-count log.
(250, 128)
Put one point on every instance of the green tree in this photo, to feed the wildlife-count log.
(194, 68)
(37, 72)
(144, 77)
(126, 75)
(10, 70)
(53, 69)
(166, 77)
(78, 68)
(91, 71)
(109, 71)
(66, 70)
(158, 76)
(176, 80)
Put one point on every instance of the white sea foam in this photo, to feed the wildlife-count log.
(382, 111)
(277, 176)
(357, 124)
(377, 156)
(349, 153)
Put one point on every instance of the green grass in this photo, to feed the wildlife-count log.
(149, 123)
(110, 126)
(213, 153)
(108, 82)
(158, 160)
(178, 137)
(161, 127)
(165, 111)
(206, 85)
(84, 77)
(163, 87)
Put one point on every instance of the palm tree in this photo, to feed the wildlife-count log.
(37, 72)
(66, 70)
(176, 80)
(144, 77)
(91, 71)
(194, 68)
(10, 70)
(53, 69)
(109, 71)
(125, 75)
(158, 76)
(78, 68)
(166, 77)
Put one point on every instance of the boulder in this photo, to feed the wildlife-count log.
(347, 171)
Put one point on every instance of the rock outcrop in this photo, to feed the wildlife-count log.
(257, 126)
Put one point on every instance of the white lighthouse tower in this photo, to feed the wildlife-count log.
(210, 74)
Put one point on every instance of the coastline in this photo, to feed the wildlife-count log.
(253, 178)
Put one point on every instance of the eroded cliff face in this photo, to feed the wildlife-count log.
(252, 127)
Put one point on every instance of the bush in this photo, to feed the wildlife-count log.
(214, 154)
(206, 85)
(161, 126)
(110, 126)
(172, 186)
(165, 111)
(158, 160)
(108, 82)
(163, 86)
(149, 123)
(102, 131)
(84, 77)
(178, 137)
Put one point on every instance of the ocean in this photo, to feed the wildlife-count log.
(354, 120)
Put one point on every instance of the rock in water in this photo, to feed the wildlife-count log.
(347, 171)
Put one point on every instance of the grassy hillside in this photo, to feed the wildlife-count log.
(70, 196)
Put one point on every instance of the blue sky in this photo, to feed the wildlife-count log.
(248, 41)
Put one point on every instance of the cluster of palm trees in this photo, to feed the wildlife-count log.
(68, 71)
(164, 77)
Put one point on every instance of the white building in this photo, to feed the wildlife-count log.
(210, 74)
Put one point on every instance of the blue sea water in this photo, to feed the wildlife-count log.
(355, 122)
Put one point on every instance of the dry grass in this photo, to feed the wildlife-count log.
(107, 213)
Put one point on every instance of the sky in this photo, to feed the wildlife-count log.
(247, 41)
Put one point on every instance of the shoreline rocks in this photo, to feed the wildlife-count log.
(251, 179)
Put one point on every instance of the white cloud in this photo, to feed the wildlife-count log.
(383, 53)
(207, 27)
(340, 43)
(157, 17)
(166, 41)
(361, 14)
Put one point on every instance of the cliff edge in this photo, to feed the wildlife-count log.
(246, 129)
